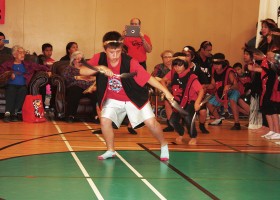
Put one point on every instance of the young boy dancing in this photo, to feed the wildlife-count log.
(188, 92)
(119, 97)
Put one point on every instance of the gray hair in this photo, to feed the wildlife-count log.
(16, 48)
(74, 56)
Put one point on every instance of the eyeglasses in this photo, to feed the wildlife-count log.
(167, 57)
(21, 52)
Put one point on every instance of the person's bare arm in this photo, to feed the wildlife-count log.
(85, 71)
(146, 45)
(153, 82)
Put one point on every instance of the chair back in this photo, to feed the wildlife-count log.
(31, 58)
(5, 57)
(59, 66)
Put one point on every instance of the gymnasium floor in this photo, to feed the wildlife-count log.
(56, 160)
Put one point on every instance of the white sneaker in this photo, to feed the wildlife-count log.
(216, 122)
(268, 134)
(275, 136)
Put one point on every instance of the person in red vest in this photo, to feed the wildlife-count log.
(225, 83)
(118, 96)
(188, 92)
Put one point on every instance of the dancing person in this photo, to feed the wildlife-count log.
(118, 97)
(270, 96)
(188, 92)
(244, 88)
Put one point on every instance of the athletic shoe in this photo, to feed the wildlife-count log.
(236, 126)
(268, 134)
(275, 136)
(203, 129)
(216, 122)
(14, 118)
(7, 117)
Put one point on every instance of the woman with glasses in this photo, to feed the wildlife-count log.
(16, 89)
(160, 70)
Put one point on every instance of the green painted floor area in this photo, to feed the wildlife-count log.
(188, 175)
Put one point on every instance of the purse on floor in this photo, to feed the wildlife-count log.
(33, 109)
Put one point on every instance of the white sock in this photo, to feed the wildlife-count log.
(107, 154)
(164, 154)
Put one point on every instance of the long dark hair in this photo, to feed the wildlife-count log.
(68, 47)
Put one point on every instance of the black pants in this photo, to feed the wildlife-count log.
(175, 121)
(15, 95)
(73, 96)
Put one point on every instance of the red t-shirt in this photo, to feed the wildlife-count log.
(135, 47)
(114, 85)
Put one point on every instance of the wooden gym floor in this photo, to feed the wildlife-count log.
(56, 160)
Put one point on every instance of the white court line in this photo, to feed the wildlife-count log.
(160, 196)
(84, 171)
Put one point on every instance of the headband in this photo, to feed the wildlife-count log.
(179, 57)
(112, 41)
(218, 60)
(275, 33)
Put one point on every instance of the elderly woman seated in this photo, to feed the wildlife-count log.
(77, 86)
(16, 88)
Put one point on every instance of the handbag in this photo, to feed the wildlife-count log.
(33, 109)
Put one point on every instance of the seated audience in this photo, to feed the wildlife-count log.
(16, 88)
(46, 59)
(3, 48)
(78, 86)
(204, 59)
(71, 47)
(244, 88)
(224, 81)
(160, 70)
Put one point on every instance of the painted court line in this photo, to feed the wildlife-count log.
(84, 171)
(148, 184)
